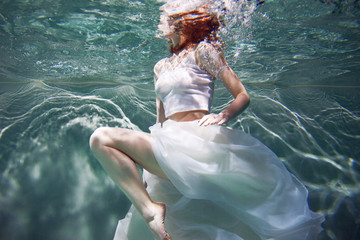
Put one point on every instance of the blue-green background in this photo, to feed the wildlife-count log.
(70, 66)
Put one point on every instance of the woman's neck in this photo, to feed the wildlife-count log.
(185, 46)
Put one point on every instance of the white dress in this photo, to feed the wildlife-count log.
(224, 185)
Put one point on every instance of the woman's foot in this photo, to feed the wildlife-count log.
(155, 221)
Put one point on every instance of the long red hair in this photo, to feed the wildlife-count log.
(196, 26)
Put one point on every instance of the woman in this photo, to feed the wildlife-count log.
(217, 183)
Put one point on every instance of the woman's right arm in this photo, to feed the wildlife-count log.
(214, 63)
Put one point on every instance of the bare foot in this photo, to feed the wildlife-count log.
(156, 222)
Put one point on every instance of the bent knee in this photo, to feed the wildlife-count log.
(98, 138)
(110, 137)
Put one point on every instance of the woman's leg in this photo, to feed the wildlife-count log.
(119, 150)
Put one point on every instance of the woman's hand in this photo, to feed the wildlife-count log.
(213, 118)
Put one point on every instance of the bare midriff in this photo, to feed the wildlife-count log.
(188, 116)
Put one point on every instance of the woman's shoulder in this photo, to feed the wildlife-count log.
(209, 57)
(205, 48)
(159, 65)
(207, 51)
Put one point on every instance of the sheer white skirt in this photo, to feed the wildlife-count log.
(224, 185)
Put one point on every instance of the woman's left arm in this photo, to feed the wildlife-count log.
(241, 98)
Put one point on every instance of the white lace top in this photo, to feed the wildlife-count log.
(182, 85)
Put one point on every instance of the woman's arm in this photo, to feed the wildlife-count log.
(237, 90)
(213, 61)
(160, 112)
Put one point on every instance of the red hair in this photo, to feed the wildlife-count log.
(196, 26)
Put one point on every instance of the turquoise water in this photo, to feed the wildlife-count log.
(68, 67)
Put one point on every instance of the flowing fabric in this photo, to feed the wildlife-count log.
(224, 185)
